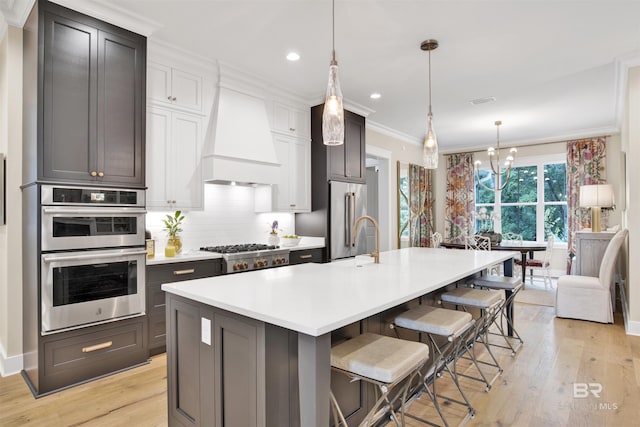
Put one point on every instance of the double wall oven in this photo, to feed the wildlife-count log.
(92, 256)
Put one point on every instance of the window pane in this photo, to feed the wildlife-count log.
(555, 222)
(520, 220)
(522, 186)
(555, 182)
(484, 195)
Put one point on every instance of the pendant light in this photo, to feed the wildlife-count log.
(430, 146)
(333, 113)
(494, 153)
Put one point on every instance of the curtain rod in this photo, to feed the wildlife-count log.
(526, 145)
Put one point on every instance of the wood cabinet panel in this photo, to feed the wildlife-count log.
(156, 305)
(305, 255)
(79, 355)
(92, 100)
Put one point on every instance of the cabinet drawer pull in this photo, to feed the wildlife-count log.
(181, 272)
(169, 97)
(97, 347)
(100, 174)
(306, 256)
(93, 173)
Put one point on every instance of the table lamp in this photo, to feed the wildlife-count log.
(596, 197)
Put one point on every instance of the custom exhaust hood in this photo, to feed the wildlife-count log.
(241, 149)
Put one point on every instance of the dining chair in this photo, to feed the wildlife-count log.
(477, 242)
(544, 264)
(436, 239)
(512, 236)
(590, 298)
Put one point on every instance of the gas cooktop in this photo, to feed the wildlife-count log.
(232, 249)
(250, 256)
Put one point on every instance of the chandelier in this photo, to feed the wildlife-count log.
(333, 112)
(494, 160)
(430, 146)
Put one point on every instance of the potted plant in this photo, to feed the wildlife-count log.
(273, 235)
(486, 226)
(172, 225)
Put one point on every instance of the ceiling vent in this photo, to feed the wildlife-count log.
(485, 100)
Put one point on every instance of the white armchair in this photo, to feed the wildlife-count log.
(589, 298)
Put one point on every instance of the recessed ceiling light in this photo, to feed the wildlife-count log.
(292, 56)
(375, 95)
(479, 101)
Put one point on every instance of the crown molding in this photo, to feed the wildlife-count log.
(622, 66)
(385, 130)
(116, 15)
(15, 13)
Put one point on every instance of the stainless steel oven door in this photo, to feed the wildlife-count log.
(88, 287)
(73, 227)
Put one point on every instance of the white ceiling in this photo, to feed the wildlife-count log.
(553, 66)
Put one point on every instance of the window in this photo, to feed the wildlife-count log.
(533, 203)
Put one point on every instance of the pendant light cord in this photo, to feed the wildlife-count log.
(333, 32)
(430, 82)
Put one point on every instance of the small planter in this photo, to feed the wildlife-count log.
(175, 242)
(273, 239)
(493, 236)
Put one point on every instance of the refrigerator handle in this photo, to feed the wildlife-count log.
(352, 214)
(347, 219)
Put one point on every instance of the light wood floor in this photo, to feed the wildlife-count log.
(536, 388)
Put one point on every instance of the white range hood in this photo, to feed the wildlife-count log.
(241, 149)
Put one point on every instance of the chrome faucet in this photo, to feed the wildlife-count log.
(376, 253)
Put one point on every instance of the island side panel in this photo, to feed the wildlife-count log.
(314, 376)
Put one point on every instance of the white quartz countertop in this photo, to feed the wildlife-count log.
(315, 299)
(308, 243)
(194, 255)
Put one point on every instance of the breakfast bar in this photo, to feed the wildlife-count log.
(309, 301)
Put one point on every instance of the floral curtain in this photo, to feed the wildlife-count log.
(420, 205)
(586, 160)
(460, 201)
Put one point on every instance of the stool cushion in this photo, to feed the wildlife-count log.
(472, 297)
(434, 320)
(498, 282)
(378, 357)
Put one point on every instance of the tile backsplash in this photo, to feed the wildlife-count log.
(228, 217)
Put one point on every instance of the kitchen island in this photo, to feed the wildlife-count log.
(260, 311)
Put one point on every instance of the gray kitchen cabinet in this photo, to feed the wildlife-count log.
(346, 162)
(74, 357)
(91, 100)
(211, 354)
(174, 148)
(302, 256)
(158, 274)
(590, 249)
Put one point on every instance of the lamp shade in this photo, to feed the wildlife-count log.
(600, 196)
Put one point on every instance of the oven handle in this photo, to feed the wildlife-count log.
(92, 211)
(52, 258)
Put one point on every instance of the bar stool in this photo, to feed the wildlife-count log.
(489, 302)
(382, 361)
(455, 327)
(512, 286)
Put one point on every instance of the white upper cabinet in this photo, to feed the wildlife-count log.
(174, 149)
(290, 120)
(292, 193)
(167, 85)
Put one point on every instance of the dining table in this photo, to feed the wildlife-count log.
(525, 248)
(508, 245)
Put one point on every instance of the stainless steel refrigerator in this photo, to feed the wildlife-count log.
(347, 203)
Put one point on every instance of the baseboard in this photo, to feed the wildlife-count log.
(9, 365)
(630, 327)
